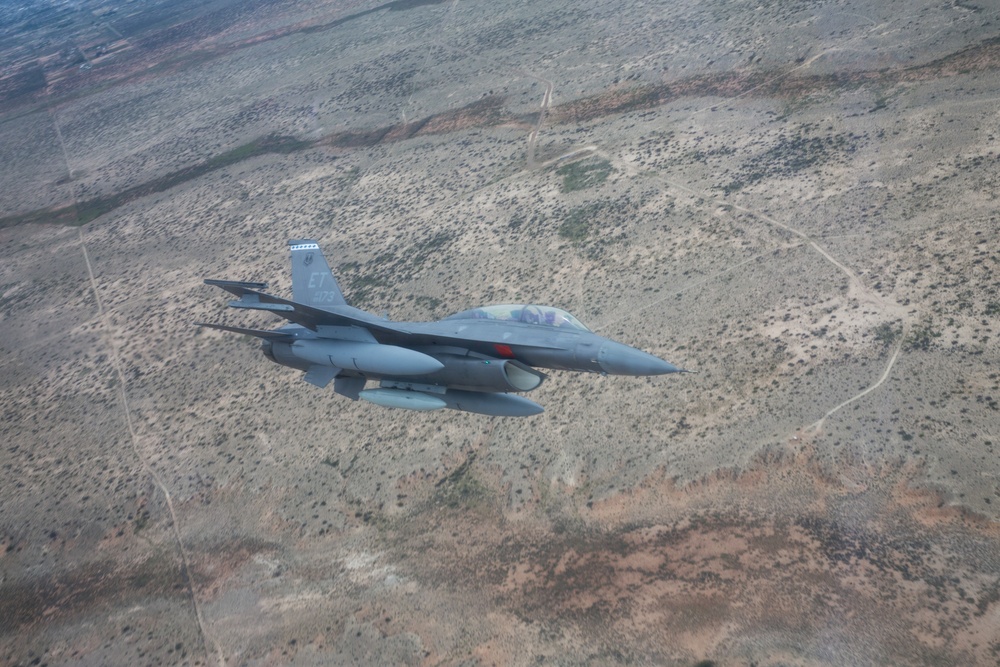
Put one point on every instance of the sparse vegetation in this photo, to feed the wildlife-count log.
(461, 489)
(577, 224)
(887, 333)
(584, 174)
(431, 303)
(92, 209)
(594, 227)
(686, 497)
(808, 147)
(921, 336)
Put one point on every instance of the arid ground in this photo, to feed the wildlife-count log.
(798, 200)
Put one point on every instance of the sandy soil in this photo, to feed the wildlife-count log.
(796, 201)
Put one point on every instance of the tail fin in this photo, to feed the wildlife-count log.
(313, 283)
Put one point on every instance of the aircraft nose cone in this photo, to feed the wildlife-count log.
(617, 359)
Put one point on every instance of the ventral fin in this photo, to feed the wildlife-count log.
(319, 375)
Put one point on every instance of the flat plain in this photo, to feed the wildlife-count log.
(796, 200)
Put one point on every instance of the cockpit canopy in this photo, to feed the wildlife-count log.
(527, 313)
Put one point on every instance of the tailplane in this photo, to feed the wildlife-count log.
(257, 333)
(313, 283)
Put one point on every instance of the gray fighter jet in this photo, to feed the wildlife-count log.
(471, 361)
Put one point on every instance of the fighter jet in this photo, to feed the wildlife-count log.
(473, 361)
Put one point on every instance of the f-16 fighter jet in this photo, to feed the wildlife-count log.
(473, 361)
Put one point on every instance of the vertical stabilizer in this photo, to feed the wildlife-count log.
(313, 283)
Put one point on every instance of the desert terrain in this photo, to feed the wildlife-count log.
(796, 200)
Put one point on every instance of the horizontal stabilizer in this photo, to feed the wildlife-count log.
(253, 302)
(303, 314)
(237, 287)
(258, 333)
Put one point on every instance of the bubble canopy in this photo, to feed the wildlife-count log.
(526, 313)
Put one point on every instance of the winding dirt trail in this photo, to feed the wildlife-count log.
(857, 289)
(818, 425)
(533, 135)
(115, 357)
(531, 163)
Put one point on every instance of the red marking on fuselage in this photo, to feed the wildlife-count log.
(504, 351)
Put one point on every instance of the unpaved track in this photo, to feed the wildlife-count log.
(815, 428)
(175, 526)
(533, 135)
(857, 288)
